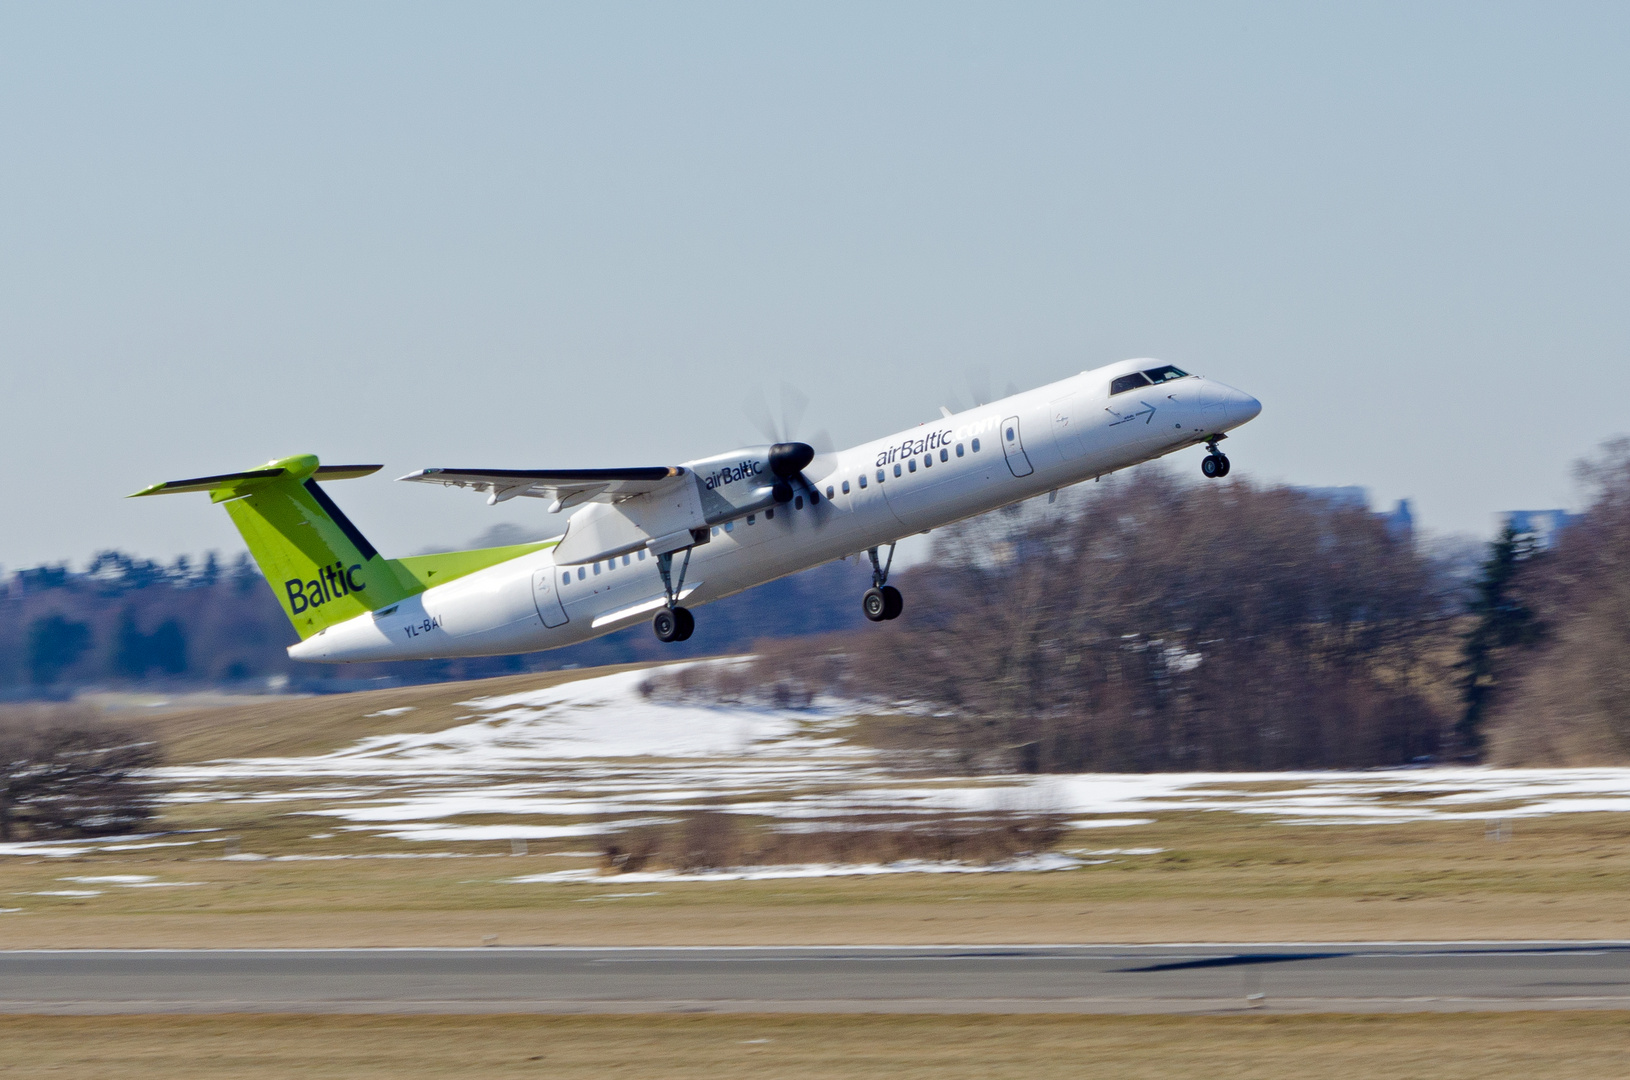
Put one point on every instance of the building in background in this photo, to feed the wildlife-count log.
(1545, 525)
(1400, 520)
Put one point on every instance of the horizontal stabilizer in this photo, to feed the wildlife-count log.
(240, 480)
(567, 487)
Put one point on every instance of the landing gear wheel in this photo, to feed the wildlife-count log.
(1215, 466)
(893, 602)
(876, 604)
(673, 624)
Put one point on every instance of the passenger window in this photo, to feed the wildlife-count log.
(959, 450)
(880, 473)
(715, 530)
(829, 490)
(798, 503)
(769, 515)
(1165, 374)
(596, 568)
(846, 487)
(566, 578)
(1128, 382)
(912, 465)
(750, 518)
(945, 455)
(928, 461)
(730, 526)
(897, 466)
(976, 446)
(625, 560)
(642, 553)
(863, 480)
(1009, 434)
(580, 573)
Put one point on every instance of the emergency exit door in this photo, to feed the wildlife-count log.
(546, 595)
(1013, 448)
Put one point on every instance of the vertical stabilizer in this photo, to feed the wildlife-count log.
(319, 564)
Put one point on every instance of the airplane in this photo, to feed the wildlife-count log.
(651, 543)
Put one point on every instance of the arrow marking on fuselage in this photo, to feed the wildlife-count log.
(1147, 412)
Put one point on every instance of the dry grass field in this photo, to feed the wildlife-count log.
(304, 880)
(1219, 877)
(1557, 1046)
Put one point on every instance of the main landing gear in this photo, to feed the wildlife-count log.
(1215, 464)
(673, 623)
(882, 601)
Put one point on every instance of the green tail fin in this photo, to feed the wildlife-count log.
(323, 570)
(321, 567)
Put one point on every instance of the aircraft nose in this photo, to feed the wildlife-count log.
(1241, 407)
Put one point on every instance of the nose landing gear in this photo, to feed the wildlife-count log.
(882, 601)
(1215, 464)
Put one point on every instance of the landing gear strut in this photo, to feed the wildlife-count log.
(673, 623)
(1215, 464)
(882, 601)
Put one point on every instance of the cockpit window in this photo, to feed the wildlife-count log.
(1165, 374)
(1128, 382)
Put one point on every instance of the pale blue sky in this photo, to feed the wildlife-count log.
(531, 236)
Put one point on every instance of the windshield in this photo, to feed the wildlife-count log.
(1128, 382)
(1165, 374)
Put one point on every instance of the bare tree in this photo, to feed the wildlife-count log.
(72, 777)
(1163, 625)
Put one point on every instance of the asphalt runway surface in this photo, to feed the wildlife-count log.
(1362, 977)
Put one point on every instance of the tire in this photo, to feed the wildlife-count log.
(665, 624)
(875, 604)
(687, 624)
(1223, 460)
(1211, 466)
(893, 602)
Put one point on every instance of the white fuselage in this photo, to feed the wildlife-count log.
(929, 476)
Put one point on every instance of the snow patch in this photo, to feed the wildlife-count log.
(1027, 863)
(594, 757)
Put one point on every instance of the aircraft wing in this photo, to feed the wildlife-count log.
(566, 487)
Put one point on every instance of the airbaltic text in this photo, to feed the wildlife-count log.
(732, 474)
(927, 444)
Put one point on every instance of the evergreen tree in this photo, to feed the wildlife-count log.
(1502, 621)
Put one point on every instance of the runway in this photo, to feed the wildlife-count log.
(1362, 977)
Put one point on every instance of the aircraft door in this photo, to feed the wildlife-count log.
(1066, 428)
(547, 596)
(1013, 448)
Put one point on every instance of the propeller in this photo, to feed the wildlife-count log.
(787, 462)
(978, 385)
(788, 456)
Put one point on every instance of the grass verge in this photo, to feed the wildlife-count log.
(1559, 1046)
(1214, 877)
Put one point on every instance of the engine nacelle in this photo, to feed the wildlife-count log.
(736, 484)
